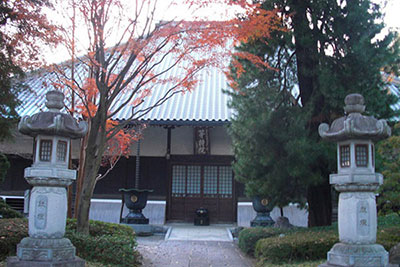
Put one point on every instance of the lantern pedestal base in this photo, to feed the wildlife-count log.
(45, 252)
(141, 229)
(135, 217)
(50, 249)
(263, 219)
(342, 254)
(15, 262)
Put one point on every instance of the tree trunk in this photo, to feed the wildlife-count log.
(88, 185)
(96, 143)
(319, 205)
(318, 197)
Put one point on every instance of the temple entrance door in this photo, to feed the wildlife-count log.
(207, 186)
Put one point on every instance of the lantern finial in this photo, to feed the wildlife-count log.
(354, 104)
(55, 100)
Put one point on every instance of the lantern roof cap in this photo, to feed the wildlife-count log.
(354, 125)
(53, 122)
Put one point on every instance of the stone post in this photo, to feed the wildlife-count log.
(357, 182)
(49, 175)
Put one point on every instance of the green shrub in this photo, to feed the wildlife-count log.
(11, 233)
(108, 249)
(98, 228)
(314, 243)
(296, 246)
(4, 165)
(388, 236)
(391, 219)
(248, 237)
(107, 243)
(7, 212)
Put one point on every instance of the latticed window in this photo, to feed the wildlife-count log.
(193, 181)
(61, 151)
(373, 155)
(34, 149)
(206, 181)
(45, 150)
(225, 181)
(178, 181)
(345, 156)
(210, 181)
(361, 155)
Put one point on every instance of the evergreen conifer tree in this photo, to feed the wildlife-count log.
(275, 131)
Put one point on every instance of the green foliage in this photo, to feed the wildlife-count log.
(248, 237)
(7, 212)
(308, 244)
(4, 165)
(329, 50)
(98, 228)
(108, 243)
(389, 192)
(297, 246)
(11, 233)
(388, 237)
(268, 130)
(108, 249)
(8, 71)
(391, 219)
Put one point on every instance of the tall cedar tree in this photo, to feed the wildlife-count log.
(336, 52)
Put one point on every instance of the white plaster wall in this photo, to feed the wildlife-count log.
(154, 142)
(220, 141)
(296, 216)
(22, 145)
(19, 144)
(108, 210)
(182, 141)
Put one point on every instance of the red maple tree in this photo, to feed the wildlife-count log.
(125, 72)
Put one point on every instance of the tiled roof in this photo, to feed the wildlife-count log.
(206, 104)
(394, 88)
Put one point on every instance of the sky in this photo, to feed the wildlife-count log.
(392, 21)
(392, 16)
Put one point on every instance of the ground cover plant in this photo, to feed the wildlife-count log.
(305, 246)
(107, 243)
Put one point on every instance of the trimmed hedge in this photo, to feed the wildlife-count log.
(98, 228)
(107, 249)
(296, 246)
(248, 237)
(106, 243)
(313, 244)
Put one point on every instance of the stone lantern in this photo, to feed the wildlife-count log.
(356, 181)
(49, 175)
